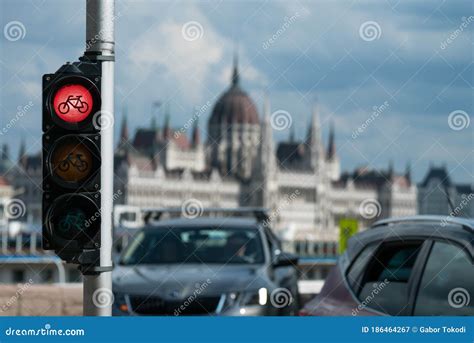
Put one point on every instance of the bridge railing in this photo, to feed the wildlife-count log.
(20, 244)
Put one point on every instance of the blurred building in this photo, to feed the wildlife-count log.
(238, 164)
(6, 194)
(436, 191)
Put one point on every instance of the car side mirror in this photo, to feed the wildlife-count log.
(285, 260)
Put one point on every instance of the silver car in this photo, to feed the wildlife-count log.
(205, 266)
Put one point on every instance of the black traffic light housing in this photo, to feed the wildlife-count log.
(71, 163)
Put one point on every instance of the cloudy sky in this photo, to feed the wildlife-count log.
(396, 77)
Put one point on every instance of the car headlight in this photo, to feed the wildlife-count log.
(258, 297)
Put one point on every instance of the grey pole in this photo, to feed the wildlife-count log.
(100, 42)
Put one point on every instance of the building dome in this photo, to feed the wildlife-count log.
(234, 106)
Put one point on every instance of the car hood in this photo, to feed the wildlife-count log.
(181, 281)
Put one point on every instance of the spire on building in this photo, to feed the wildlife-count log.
(166, 127)
(267, 151)
(408, 172)
(291, 138)
(390, 168)
(314, 139)
(124, 127)
(235, 73)
(5, 152)
(196, 139)
(22, 152)
(154, 108)
(331, 151)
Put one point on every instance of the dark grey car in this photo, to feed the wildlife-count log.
(205, 266)
(415, 266)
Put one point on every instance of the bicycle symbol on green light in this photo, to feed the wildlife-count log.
(73, 220)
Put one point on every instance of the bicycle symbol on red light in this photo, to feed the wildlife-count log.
(74, 102)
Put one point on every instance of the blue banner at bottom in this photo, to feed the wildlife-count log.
(233, 329)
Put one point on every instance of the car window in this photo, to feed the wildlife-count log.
(195, 245)
(385, 282)
(447, 284)
(355, 272)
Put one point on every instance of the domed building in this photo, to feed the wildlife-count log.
(234, 131)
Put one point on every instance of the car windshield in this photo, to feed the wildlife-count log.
(195, 245)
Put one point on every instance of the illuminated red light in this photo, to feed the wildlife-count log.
(73, 103)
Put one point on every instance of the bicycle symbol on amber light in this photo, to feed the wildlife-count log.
(79, 163)
(74, 102)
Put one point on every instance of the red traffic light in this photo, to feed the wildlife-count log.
(73, 103)
(70, 102)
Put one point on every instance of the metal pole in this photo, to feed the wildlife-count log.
(100, 42)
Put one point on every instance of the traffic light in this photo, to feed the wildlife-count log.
(72, 162)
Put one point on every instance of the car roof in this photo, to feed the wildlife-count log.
(415, 227)
(467, 223)
(225, 222)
